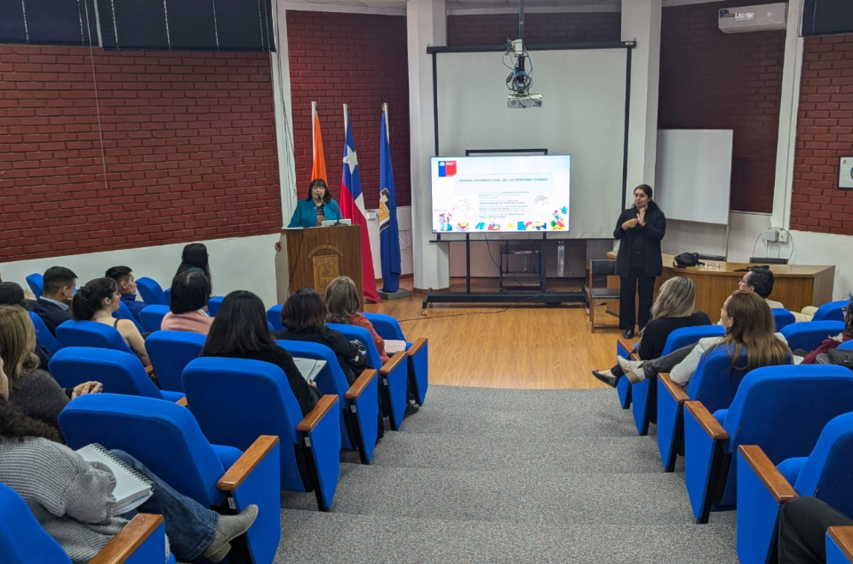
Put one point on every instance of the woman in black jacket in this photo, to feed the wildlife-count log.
(638, 262)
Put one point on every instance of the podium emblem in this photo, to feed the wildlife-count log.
(326, 269)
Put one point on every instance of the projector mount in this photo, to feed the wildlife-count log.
(520, 80)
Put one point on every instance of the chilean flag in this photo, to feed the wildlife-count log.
(352, 207)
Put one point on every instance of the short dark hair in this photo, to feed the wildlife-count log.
(762, 281)
(88, 299)
(118, 273)
(11, 294)
(239, 328)
(190, 291)
(327, 196)
(57, 277)
(304, 309)
(647, 190)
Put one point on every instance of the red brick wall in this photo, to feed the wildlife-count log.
(189, 141)
(566, 27)
(824, 133)
(359, 60)
(711, 80)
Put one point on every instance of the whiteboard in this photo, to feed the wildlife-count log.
(693, 174)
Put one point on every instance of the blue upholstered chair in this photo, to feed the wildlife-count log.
(713, 383)
(123, 312)
(213, 305)
(151, 292)
(235, 400)
(274, 317)
(782, 317)
(839, 545)
(24, 541)
(782, 409)
(826, 474)
(832, 311)
(393, 375)
(623, 386)
(119, 372)
(36, 283)
(359, 403)
(43, 335)
(846, 346)
(152, 316)
(417, 353)
(166, 438)
(644, 393)
(91, 334)
(170, 352)
(809, 335)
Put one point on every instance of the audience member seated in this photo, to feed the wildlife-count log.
(32, 389)
(12, 294)
(190, 292)
(801, 531)
(54, 303)
(304, 318)
(97, 301)
(195, 257)
(123, 276)
(240, 330)
(749, 327)
(73, 500)
(342, 302)
(672, 310)
(831, 342)
(761, 281)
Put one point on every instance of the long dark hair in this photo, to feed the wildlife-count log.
(195, 256)
(327, 197)
(304, 309)
(15, 425)
(89, 298)
(239, 328)
(190, 292)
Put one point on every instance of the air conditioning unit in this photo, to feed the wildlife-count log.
(766, 17)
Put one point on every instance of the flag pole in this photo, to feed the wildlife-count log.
(313, 139)
(346, 121)
(387, 127)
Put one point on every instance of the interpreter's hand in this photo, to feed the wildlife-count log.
(641, 218)
(86, 388)
(630, 224)
(278, 246)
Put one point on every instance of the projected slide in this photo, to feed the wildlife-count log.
(519, 193)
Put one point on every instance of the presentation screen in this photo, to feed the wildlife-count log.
(501, 193)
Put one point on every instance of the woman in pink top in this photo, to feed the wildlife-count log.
(190, 292)
(342, 302)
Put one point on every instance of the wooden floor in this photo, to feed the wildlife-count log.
(525, 346)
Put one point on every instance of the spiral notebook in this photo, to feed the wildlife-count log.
(132, 488)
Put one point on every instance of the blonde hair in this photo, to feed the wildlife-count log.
(17, 343)
(341, 299)
(675, 299)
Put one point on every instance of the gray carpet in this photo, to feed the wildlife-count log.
(481, 475)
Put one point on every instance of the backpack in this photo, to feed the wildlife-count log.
(686, 259)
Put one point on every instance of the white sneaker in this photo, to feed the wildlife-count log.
(633, 369)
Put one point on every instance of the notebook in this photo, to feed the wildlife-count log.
(394, 346)
(309, 368)
(132, 488)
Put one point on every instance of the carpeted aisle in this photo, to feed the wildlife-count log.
(485, 475)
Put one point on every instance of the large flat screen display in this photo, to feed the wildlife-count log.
(502, 193)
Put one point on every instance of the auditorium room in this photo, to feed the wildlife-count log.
(426, 281)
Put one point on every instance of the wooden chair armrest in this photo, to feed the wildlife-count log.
(706, 420)
(182, 402)
(311, 420)
(360, 384)
(626, 344)
(130, 538)
(150, 371)
(676, 391)
(773, 480)
(241, 469)
(391, 365)
(843, 537)
(416, 346)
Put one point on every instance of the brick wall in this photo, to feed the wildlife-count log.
(360, 60)
(710, 80)
(566, 27)
(188, 141)
(824, 133)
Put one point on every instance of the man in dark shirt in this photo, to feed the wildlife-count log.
(54, 303)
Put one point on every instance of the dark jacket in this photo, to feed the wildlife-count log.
(655, 333)
(648, 236)
(52, 315)
(134, 305)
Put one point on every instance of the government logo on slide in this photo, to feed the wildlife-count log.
(446, 168)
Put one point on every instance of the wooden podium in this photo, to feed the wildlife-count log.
(317, 255)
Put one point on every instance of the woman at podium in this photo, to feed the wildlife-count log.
(317, 207)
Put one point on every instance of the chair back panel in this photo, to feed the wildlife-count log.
(274, 317)
(715, 383)
(123, 312)
(782, 317)
(119, 372)
(809, 335)
(832, 311)
(162, 435)
(363, 336)
(690, 336)
(601, 268)
(152, 316)
(385, 326)
(22, 538)
(170, 352)
(151, 291)
(43, 335)
(36, 283)
(828, 471)
(213, 305)
(91, 334)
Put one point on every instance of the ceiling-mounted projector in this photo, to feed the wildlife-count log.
(520, 101)
(520, 79)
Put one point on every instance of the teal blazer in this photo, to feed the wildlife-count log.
(305, 215)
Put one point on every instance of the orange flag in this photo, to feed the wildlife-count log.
(319, 168)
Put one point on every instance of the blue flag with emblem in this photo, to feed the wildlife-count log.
(389, 235)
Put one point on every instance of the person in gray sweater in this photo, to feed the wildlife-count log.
(73, 499)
